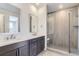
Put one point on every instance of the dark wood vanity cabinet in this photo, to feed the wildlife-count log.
(33, 47)
(40, 44)
(25, 48)
(36, 46)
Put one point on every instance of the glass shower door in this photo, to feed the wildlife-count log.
(73, 44)
(60, 37)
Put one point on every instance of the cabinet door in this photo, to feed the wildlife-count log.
(24, 50)
(10, 53)
(33, 47)
(40, 44)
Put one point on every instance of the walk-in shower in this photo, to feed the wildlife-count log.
(62, 29)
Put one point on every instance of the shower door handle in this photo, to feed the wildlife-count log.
(69, 33)
(76, 26)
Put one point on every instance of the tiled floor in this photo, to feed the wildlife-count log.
(55, 52)
(58, 47)
(50, 53)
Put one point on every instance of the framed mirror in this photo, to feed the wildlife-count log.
(33, 24)
(9, 18)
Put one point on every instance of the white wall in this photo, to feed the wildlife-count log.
(42, 23)
(1, 23)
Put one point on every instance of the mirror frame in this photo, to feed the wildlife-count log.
(30, 23)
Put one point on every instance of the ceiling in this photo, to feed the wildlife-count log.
(51, 7)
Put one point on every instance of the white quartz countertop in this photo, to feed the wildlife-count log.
(20, 39)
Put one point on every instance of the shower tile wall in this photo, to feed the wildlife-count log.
(61, 29)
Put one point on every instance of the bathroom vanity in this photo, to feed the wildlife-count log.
(31, 47)
(10, 26)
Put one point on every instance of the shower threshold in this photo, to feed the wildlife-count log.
(66, 53)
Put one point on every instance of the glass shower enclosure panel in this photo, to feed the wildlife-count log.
(74, 31)
(65, 34)
(60, 37)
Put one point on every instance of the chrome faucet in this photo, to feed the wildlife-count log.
(11, 37)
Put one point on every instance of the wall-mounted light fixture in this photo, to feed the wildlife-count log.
(60, 6)
(37, 4)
